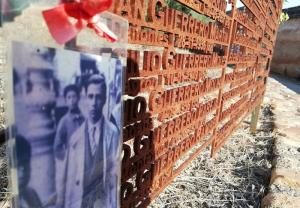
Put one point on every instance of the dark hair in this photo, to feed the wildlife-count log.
(23, 150)
(96, 79)
(73, 88)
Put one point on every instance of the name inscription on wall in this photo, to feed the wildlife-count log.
(194, 72)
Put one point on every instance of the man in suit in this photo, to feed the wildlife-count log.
(93, 155)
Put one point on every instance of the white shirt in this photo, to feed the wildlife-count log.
(94, 135)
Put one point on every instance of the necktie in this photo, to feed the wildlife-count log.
(93, 141)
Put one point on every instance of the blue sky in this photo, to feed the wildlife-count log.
(288, 4)
(291, 3)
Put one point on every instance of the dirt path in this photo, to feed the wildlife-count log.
(284, 95)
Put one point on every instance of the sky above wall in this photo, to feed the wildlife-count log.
(291, 3)
(288, 4)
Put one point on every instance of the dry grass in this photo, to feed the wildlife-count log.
(237, 177)
(4, 192)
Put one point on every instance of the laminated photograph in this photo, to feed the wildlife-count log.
(68, 127)
(63, 91)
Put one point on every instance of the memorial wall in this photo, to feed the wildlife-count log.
(194, 72)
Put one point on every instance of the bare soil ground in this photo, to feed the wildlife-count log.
(284, 188)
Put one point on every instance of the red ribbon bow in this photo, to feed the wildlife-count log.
(68, 19)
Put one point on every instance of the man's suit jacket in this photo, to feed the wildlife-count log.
(75, 166)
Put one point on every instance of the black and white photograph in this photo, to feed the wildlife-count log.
(68, 118)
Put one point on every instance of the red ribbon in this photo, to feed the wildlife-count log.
(67, 19)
